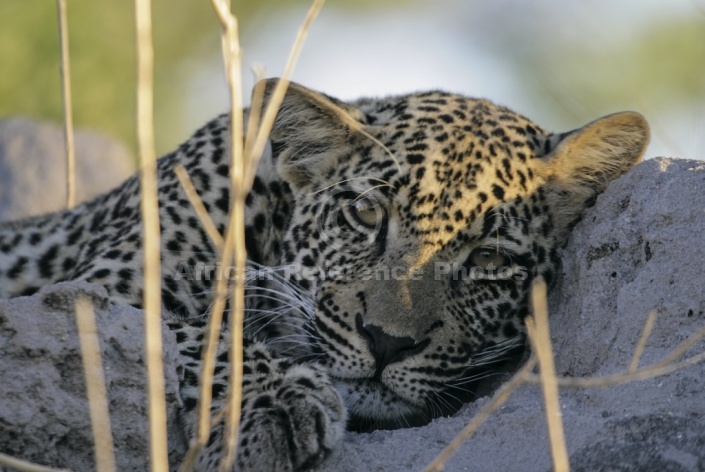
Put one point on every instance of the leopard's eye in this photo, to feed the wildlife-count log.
(367, 212)
(488, 259)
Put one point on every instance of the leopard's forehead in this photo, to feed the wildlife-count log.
(450, 137)
(442, 159)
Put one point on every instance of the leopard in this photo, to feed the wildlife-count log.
(391, 247)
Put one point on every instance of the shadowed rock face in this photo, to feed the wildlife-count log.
(33, 167)
(639, 248)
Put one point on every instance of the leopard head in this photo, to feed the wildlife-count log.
(419, 224)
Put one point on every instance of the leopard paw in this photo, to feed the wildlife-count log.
(292, 416)
(293, 426)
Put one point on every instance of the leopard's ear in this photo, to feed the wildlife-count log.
(580, 164)
(311, 133)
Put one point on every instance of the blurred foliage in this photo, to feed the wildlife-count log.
(101, 38)
(661, 67)
(575, 68)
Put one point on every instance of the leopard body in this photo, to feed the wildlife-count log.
(392, 244)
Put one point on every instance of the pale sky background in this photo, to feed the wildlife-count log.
(456, 45)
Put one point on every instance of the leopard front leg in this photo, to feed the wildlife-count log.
(292, 417)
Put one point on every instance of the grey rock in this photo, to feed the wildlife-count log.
(44, 416)
(33, 168)
(62, 296)
(649, 443)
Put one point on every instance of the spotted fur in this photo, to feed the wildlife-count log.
(392, 243)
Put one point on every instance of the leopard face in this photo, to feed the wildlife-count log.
(419, 224)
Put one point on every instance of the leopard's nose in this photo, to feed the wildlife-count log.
(386, 348)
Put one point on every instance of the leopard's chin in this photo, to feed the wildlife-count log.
(372, 405)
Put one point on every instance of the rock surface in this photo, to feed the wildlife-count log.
(44, 416)
(640, 248)
(33, 167)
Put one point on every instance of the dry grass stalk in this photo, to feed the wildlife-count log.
(210, 346)
(151, 239)
(497, 400)
(231, 57)
(198, 207)
(253, 121)
(538, 332)
(235, 235)
(608, 380)
(645, 333)
(683, 347)
(95, 385)
(277, 97)
(24, 466)
(65, 67)
(664, 367)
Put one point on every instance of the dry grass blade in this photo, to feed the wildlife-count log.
(198, 207)
(151, 239)
(215, 320)
(24, 466)
(95, 385)
(66, 100)
(208, 355)
(235, 235)
(237, 317)
(616, 379)
(645, 333)
(277, 97)
(683, 347)
(481, 416)
(539, 335)
(253, 121)
(666, 366)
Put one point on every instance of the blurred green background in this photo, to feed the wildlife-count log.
(560, 63)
